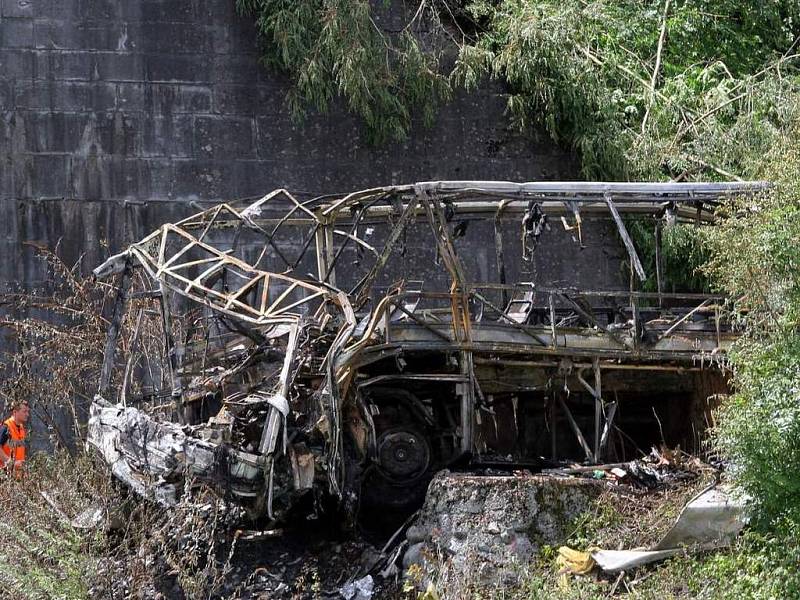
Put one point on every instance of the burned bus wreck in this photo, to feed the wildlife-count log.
(347, 347)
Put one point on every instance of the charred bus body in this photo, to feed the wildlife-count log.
(347, 347)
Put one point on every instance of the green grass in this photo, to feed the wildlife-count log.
(43, 555)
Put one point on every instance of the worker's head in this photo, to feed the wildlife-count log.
(20, 411)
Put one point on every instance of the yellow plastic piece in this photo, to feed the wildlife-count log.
(574, 561)
(430, 593)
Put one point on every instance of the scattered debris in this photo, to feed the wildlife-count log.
(660, 467)
(252, 536)
(710, 520)
(89, 518)
(56, 509)
(360, 589)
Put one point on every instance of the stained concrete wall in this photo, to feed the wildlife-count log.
(117, 116)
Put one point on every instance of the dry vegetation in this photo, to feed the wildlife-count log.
(56, 340)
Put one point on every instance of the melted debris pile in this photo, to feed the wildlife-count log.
(197, 549)
(661, 468)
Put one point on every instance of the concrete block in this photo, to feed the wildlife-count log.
(149, 217)
(70, 35)
(236, 69)
(255, 177)
(105, 10)
(5, 124)
(66, 65)
(14, 136)
(195, 99)
(49, 175)
(298, 176)
(219, 137)
(164, 98)
(16, 33)
(51, 34)
(111, 133)
(89, 66)
(6, 95)
(210, 179)
(337, 176)
(119, 178)
(5, 184)
(241, 99)
(89, 177)
(17, 8)
(185, 67)
(172, 38)
(168, 136)
(54, 9)
(120, 133)
(233, 35)
(123, 178)
(129, 179)
(130, 95)
(95, 96)
(218, 12)
(156, 177)
(18, 171)
(279, 137)
(17, 64)
(54, 131)
(120, 66)
(166, 11)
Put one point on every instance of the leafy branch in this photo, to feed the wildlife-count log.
(334, 48)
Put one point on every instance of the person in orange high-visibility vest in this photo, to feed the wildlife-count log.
(12, 437)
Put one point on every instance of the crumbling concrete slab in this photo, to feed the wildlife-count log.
(490, 527)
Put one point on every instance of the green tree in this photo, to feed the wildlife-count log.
(756, 260)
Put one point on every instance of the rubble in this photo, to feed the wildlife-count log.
(287, 354)
(658, 468)
(360, 589)
(489, 527)
(298, 566)
(488, 530)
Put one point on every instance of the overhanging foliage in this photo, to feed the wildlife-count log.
(649, 90)
(334, 48)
